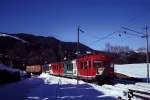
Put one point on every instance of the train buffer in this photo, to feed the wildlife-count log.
(139, 94)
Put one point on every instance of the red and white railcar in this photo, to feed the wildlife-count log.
(57, 68)
(94, 66)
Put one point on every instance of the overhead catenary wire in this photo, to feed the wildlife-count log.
(131, 34)
(103, 38)
(131, 20)
(98, 39)
(145, 35)
(132, 30)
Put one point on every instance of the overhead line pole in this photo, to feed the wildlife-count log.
(145, 34)
(78, 37)
(78, 30)
(147, 54)
(78, 49)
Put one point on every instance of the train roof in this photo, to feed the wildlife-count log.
(95, 53)
(87, 54)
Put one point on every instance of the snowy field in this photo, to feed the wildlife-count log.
(59, 88)
(47, 87)
(93, 91)
(133, 70)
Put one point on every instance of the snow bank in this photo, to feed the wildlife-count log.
(66, 88)
(8, 68)
(44, 75)
(8, 74)
(110, 90)
(132, 70)
(117, 90)
(49, 79)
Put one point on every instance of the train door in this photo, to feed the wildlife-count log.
(65, 67)
(46, 68)
(68, 68)
(74, 64)
(50, 69)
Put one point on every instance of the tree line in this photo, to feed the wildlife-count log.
(125, 55)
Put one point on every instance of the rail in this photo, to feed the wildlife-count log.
(138, 94)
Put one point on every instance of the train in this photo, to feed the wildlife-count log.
(88, 67)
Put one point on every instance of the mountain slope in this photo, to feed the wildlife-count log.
(38, 49)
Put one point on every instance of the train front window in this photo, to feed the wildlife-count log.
(97, 64)
(85, 65)
(111, 65)
(107, 64)
(89, 64)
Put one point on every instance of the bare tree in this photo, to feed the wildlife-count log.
(116, 49)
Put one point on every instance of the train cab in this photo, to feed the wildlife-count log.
(94, 66)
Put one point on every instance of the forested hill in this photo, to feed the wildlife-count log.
(38, 49)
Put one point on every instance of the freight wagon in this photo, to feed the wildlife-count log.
(34, 69)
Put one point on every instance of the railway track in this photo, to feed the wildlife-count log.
(123, 89)
(126, 88)
(130, 89)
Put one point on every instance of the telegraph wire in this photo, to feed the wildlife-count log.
(130, 21)
(103, 38)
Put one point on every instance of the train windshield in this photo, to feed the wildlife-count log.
(108, 64)
(97, 64)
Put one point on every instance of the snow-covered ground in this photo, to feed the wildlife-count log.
(12, 70)
(133, 70)
(18, 90)
(109, 92)
(58, 88)
(47, 87)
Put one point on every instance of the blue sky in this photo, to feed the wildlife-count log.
(60, 18)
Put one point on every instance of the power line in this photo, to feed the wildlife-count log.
(103, 38)
(132, 30)
(144, 35)
(131, 34)
(133, 18)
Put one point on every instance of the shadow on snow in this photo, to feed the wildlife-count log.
(67, 92)
(37, 89)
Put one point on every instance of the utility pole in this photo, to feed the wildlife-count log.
(147, 54)
(78, 32)
(143, 35)
(78, 50)
(60, 56)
